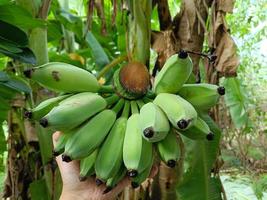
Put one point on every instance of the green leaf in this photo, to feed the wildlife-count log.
(3, 77)
(70, 22)
(20, 17)
(98, 52)
(3, 2)
(54, 31)
(236, 101)
(13, 34)
(18, 86)
(3, 143)
(7, 46)
(38, 190)
(197, 182)
(26, 56)
(5, 92)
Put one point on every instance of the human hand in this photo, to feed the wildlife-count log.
(73, 188)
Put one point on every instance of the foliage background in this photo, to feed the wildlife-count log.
(244, 148)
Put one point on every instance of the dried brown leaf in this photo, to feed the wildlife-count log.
(164, 44)
(227, 59)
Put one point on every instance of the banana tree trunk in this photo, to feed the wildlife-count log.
(30, 163)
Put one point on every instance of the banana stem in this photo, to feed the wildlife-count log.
(114, 63)
(150, 95)
(147, 100)
(126, 109)
(119, 105)
(106, 89)
(112, 99)
(140, 103)
(134, 107)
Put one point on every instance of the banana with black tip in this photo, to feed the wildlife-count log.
(199, 131)
(169, 150)
(202, 96)
(174, 73)
(180, 112)
(73, 111)
(63, 77)
(153, 122)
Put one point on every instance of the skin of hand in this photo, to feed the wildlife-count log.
(73, 188)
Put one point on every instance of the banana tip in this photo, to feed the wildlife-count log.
(55, 153)
(210, 136)
(43, 122)
(28, 114)
(148, 132)
(98, 182)
(66, 158)
(135, 185)
(182, 124)
(221, 90)
(182, 54)
(171, 163)
(28, 73)
(132, 173)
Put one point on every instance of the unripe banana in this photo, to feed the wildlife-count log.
(199, 131)
(44, 107)
(180, 113)
(89, 136)
(109, 159)
(73, 111)
(136, 150)
(113, 181)
(202, 96)
(154, 123)
(174, 74)
(169, 150)
(140, 178)
(60, 145)
(63, 77)
(87, 166)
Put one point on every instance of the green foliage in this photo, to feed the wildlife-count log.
(236, 101)
(15, 46)
(200, 156)
(23, 18)
(38, 190)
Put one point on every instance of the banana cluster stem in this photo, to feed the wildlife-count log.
(114, 63)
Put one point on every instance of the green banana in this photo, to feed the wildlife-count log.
(89, 136)
(180, 113)
(87, 165)
(154, 123)
(136, 150)
(174, 73)
(109, 159)
(112, 182)
(140, 178)
(44, 107)
(202, 96)
(108, 162)
(60, 145)
(73, 111)
(169, 150)
(200, 130)
(192, 79)
(63, 77)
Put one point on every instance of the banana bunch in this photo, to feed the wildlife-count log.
(117, 130)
